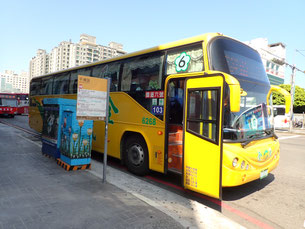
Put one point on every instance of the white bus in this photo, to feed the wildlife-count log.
(281, 119)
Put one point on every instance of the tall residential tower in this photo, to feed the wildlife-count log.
(68, 55)
(13, 82)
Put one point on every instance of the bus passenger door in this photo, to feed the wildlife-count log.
(202, 157)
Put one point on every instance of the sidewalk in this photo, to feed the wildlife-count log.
(37, 193)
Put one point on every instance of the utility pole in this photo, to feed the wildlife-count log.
(292, 97)
(292, 83)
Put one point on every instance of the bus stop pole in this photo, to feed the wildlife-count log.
(106, 131)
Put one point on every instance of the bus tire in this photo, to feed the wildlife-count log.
(136, 155)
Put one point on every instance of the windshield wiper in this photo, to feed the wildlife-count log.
(259, 135)
(271, 132)
(250, 139)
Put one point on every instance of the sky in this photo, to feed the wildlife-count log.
(30, 25)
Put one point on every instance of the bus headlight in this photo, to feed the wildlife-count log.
(234, 162)
(247, 167)
(242, 165)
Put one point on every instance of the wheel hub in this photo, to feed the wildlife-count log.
(136, 155)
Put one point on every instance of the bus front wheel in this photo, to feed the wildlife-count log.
(136, 155)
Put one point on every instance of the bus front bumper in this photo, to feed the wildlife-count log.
(234, 177)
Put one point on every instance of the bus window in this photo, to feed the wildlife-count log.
(35, 87)
(73, 82)
(61, 84)
(8, 102)
(279, 111)
(74, 77)
(97, 71)
(110, 70)
(142, 73)
(202, 113)
(84, 71)
(46, 86)
(194, 64)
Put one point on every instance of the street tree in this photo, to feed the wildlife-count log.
(299, 98)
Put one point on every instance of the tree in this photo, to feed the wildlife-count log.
(299, 98)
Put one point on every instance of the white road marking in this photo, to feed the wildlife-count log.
(37, 144)
(295, 136)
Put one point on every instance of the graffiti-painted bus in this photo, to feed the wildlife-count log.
(199, 107)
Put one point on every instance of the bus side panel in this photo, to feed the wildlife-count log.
(36, 113)
(36, 109)
(35, 119)
(127, 115)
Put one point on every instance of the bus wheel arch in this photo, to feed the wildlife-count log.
(134, 153)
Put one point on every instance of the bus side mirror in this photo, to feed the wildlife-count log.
(235, 92)
(285, 93)
(234, 97)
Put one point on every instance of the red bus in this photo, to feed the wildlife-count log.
(22, 104)
(8, 104)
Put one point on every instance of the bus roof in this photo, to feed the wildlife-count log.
(190, 40)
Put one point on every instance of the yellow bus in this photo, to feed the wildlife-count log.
(199, 107)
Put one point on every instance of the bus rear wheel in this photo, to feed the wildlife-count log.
(136, 155)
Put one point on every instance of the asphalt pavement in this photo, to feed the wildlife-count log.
(37, 193)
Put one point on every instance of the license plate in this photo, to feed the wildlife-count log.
(264, 174)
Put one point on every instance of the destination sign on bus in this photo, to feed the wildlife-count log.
(8, 96)
(154, 94)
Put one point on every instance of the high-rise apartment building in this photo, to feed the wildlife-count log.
(39, 65)
(13, 82)
(273, 56)
(68, 54)
(59, 57)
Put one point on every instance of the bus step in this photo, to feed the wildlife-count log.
(175, 156)
(173, 170)
(175, 148)
(175, 162)
(72, 167)
(175, 136)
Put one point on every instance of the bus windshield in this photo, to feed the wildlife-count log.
(278, 110)
(254, 120)
(8, 102)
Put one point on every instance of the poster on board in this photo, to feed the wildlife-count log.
(91, 98)
(93, 103)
